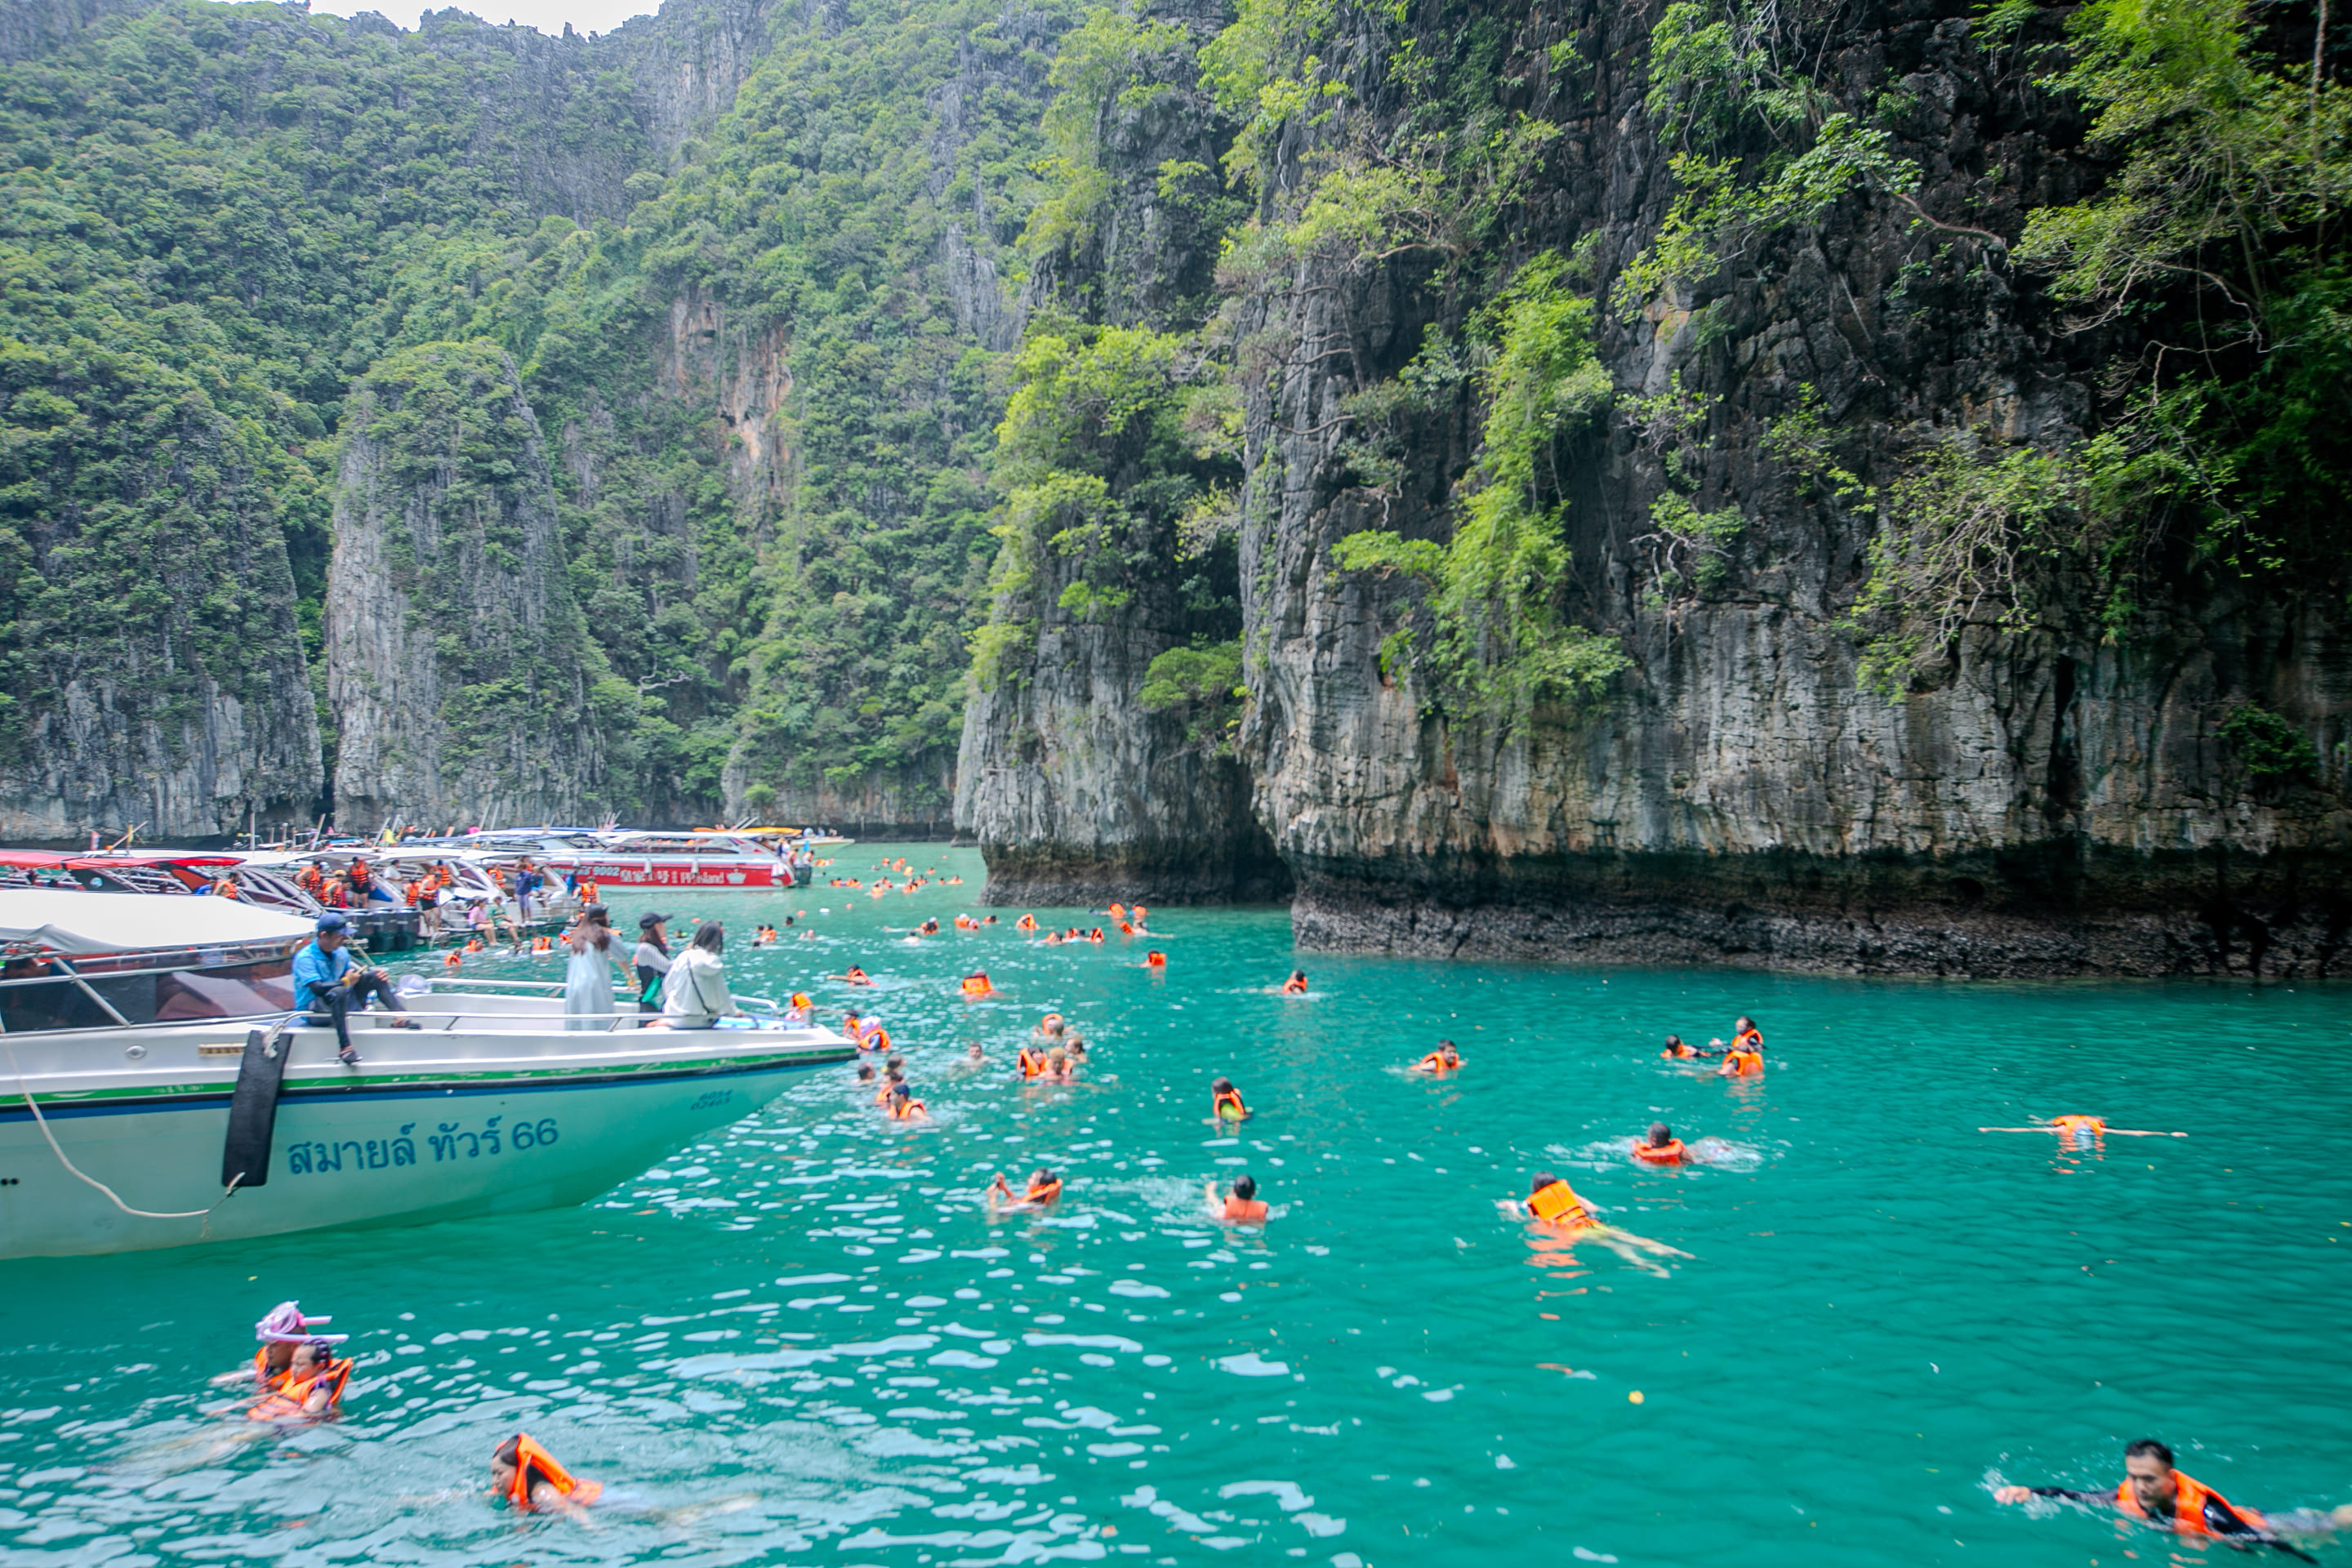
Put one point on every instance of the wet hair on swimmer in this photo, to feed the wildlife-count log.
(509, 1453)
(1222, 1085)
(1660, 1132)
(2151, 1446)
(1542, 1180)
(1245, 1186)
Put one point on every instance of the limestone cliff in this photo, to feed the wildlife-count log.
(2050, 802)
(1077, 792)
(458, 665)
(2056, 797)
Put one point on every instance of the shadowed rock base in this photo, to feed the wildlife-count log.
(2034, 913)
(1248, 873)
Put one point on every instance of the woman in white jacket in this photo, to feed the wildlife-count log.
(695, 994)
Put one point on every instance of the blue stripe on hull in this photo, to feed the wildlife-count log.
(15, 1111)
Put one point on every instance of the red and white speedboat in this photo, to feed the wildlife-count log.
(648, 859)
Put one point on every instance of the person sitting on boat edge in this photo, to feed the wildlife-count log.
(2153, 1491)
(696, 997)
(528, 1477)
(327, 979)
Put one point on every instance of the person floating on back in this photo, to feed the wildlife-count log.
(1677, 1048)
(1225, 1107)
(1241, 1205)
(1661, 1147)
(1445, 1058)
(1297, 985)
(2081, 1131)
(2152, 1491)
(528, 1477)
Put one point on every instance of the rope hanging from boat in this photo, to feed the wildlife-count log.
(43, 1123)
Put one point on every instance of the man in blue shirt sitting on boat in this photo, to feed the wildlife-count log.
(327, 980)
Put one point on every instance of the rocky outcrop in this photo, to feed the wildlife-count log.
(457, 667)
(1076, 793)
(2048, 803)
(161, 679)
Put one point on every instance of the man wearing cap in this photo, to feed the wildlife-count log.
(652, 959)
(325, 979)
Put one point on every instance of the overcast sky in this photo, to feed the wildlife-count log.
(547, 15)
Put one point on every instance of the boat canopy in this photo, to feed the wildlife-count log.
(74, 922)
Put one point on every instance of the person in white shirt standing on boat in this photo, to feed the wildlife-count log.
(695, 996)
(587, 978)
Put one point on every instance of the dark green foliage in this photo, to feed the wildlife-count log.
(2273, 751)
(1204, 685)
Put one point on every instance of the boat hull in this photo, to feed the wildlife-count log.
(718, 876)
(398, 1154)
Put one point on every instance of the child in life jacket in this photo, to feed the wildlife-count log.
(1225, 1103)
(313, 1384)
(1241, 1205)
(528, 1477)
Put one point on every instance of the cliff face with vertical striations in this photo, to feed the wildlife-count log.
(2059, 793)
(456, 659)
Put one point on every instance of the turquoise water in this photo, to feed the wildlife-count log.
(806, 1337)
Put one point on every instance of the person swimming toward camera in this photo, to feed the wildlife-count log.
(530, 1479)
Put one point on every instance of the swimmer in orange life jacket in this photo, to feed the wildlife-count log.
(1297, 985)
(1050, 1025)
(1042, 1191)
(528, 1477)
(856, 976)
(1661, 1148)
(1026, 922)
(904, 1106)
(1746, 1056)
(1445, 1058)
(1242, 1206)
(1554, 1202)
(1225, 1103)
(2154, 1491)
(313, 1384)
(1675, 1047)
(1155, 959)
(976, 983)
(1566, 1221)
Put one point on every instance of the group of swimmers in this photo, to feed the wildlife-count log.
(296, 1375)
(1743, 1058)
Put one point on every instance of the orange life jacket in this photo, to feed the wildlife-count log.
(289, 1394)
(1559, 1204)
(1031, 1063)
(1744, 1063)
(1116, 912)
(1044, 1191)
(454, 958)
(2187, 1506)
(907, 1109)
(530, 1456)
(1155, 961)
(1228, 1096)
(1026, 922)
(2075, 1125)
(1247, 1211)
(1435, 1062)
(1294, 988)
(1685, 1050)
(1670, 1153)
(1750, 1039)
(977, 985)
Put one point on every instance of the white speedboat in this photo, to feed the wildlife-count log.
(157, 1090)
